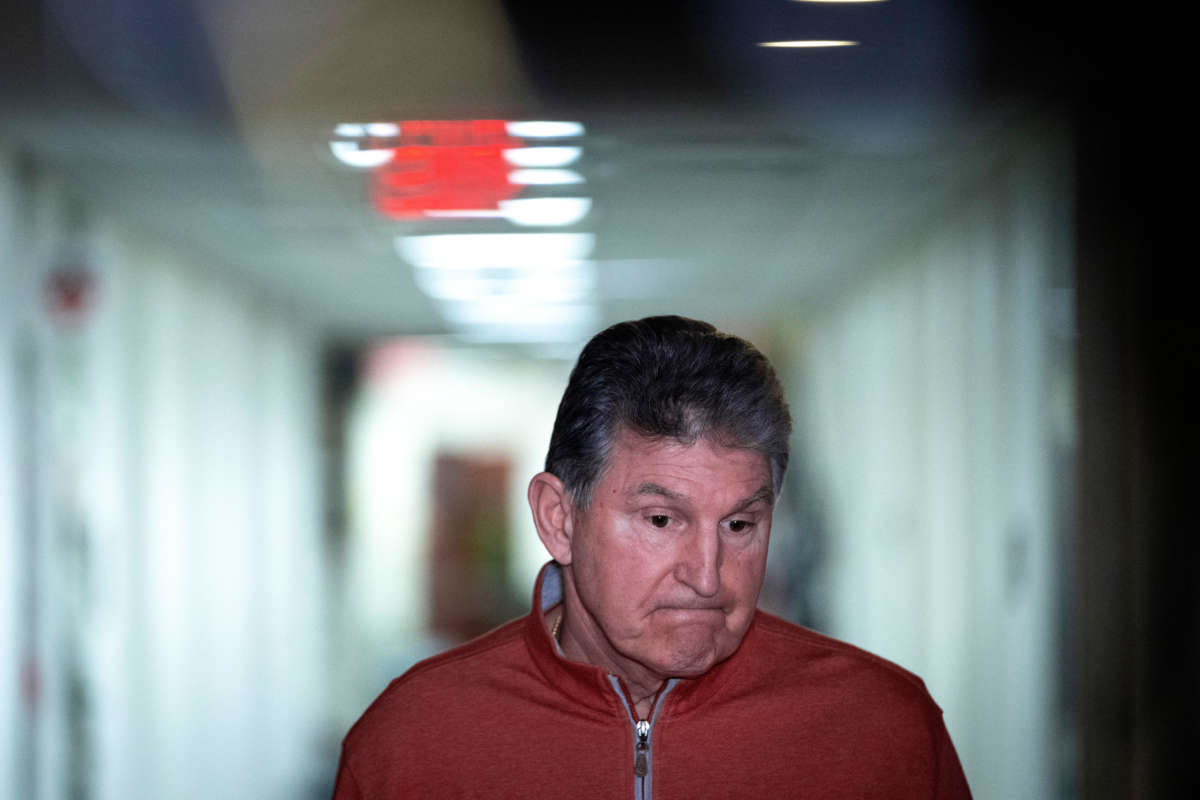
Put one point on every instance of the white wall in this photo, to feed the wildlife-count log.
(179, 547)
(10, 585)
(927, 413)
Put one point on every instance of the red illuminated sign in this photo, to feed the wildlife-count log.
(444, 166)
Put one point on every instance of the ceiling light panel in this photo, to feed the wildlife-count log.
(543, 156)
(452, 250)
(811, 43)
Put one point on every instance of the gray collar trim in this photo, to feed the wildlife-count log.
(552, 586)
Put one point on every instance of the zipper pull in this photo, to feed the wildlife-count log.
(640, 765)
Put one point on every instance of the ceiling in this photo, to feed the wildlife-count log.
(725, 179)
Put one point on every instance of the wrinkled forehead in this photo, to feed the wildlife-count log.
(713, 463)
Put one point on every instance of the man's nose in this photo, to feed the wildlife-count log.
(699, 564)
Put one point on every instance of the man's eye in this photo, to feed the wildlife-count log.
(739, 525)
(660, 520)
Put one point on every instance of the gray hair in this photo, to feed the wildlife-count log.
(666, 377)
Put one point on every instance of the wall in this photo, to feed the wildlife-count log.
(170, 596)
(934, 404)
(10, 661)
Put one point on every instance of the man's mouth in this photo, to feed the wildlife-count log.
(692, 610)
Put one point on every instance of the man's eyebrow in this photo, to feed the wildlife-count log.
(649, 487)
(765, 494)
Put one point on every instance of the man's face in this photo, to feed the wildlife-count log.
(668, 559)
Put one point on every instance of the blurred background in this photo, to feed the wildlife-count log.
(289, 292)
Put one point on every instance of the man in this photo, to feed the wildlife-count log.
(645, 668)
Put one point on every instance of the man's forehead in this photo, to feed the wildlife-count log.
(666, 466)
(634, 442)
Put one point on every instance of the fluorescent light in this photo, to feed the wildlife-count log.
(504, 321)
(518, 312)
(533, 332)
(557, 284)
(459, 250)
(810, 43)
(839, 1)
(545, 177)
(520, 320)
(547, 211)
(383, 129)
(351, 155)
(542, 156)
(544, 130)
(465, 213)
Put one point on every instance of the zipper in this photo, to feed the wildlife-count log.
(643, 762)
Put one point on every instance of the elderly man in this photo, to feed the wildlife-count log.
(645, 667)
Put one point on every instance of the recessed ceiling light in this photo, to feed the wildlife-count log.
(552, 212)
(548, 211)
(537, 129)
(351, 155)
(810, 43)
(383, 129)
(544, 177)
(544, 284)
(516, 321)
(542, 156)
(452, 251)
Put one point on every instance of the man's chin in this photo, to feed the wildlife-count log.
(692, 655)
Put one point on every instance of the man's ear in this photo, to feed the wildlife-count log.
(551, 505)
